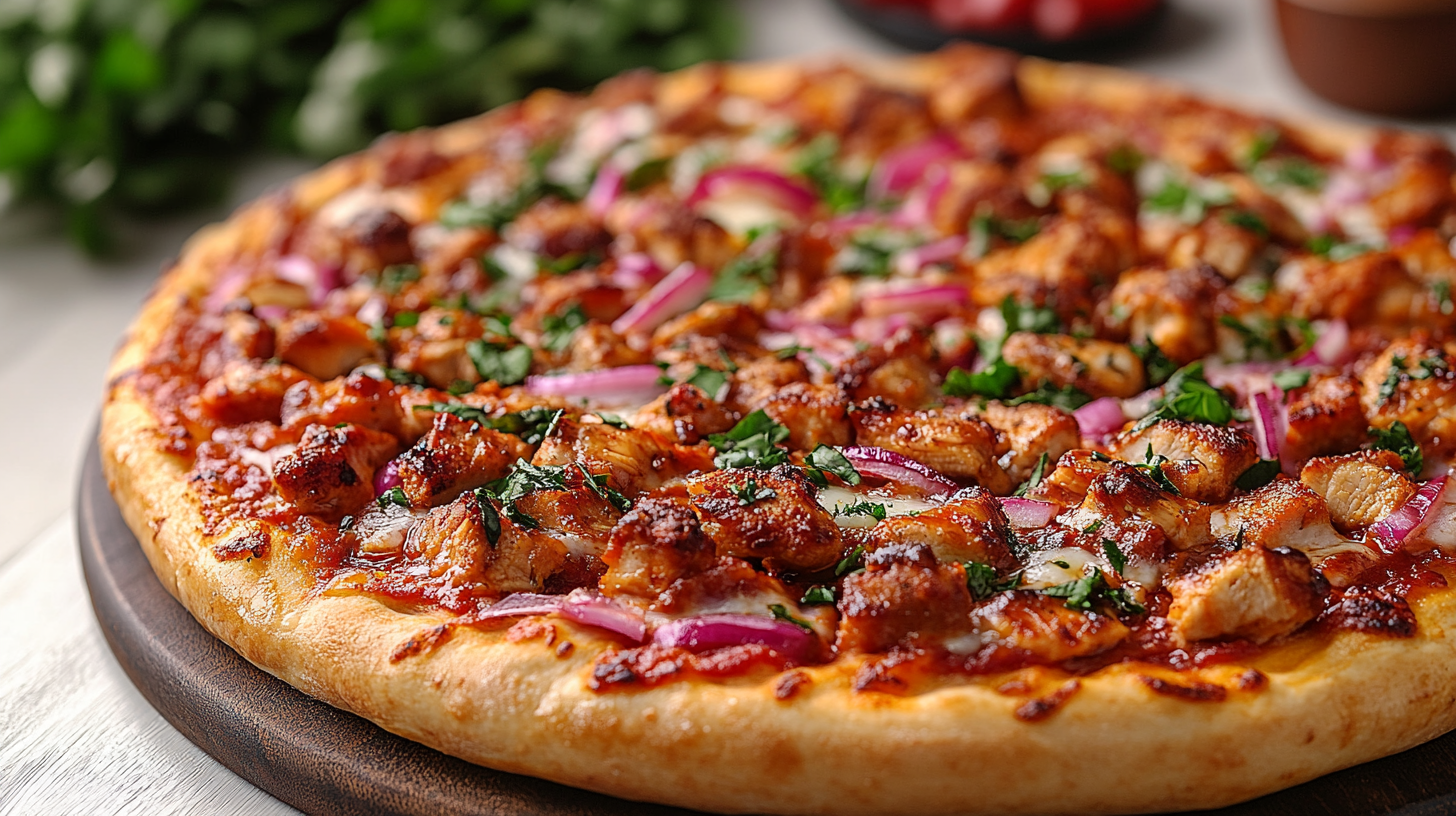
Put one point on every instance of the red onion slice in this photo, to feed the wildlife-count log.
(1389, 532)
(1028, 513)
(620, 382)
(924, 300)
(913, 260)
(387, 477)
(1100, 418)
(317, 279)
(891, 466)
(229, 287)
(522, 604)
(1332, 347)
(606, 188)
(683, 288)
(594, 609)
(1266, 424)
(920, 205)
(789, 194)
(900, 170)
(636, 269)
(709, 632)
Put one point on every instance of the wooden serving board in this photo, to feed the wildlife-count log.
(323, 760)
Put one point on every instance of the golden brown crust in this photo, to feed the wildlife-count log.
(1127, 739)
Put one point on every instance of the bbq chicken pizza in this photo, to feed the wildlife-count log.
(959, 433)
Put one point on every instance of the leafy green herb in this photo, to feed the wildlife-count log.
(753, 442)
(869, 254)
(597, 483)
(495, 214)
(1057, 181)
(982, 582)
(499, 325)
(751, 491)
(1028, 317)
(1397, 438)
(1188, 396)
(395, 496)
(1087, 591)
(1259, 474)
(1114, 555)
(1264, 141)
(502, 364)
(1393, 376)
(780, 612)
(406, 320)
(833, 461)
(1261, 338)
(1125, 160)
(985, 227)
(711, 380)
(570, 262)
(489, 518)
(1153, 466)
(872, 509)
(1289, 171)
(741, 278)
(1066, 397)
(1441, 290)
(1245, 219)
(399, 376)
(558, 329)
(1336, 250)
(851, 562)
(818, 162)
(1155, 363)
(995, 381)
(1189, 204)
(1036, 475)
(648, 173)
(1093, 527)
(818, 595)
(1289, 379)
(615, 420)
(531, 425)
(393, 278)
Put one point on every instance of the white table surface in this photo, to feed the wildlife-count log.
(75, 736)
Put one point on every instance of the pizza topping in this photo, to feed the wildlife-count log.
(794, 640)
(1252, 593)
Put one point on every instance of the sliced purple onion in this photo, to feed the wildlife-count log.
(1401, 235)
(318, 279)
(387, 477)
(788, 193)
(722, 631)
(876, 330)
(594, 609)
(1028, 513)
(229, 287)
(920, 205)
(1100, 418)
(913, 260)
(842, 224)
(1391, 531)
(622, 383)
(1362, 158)
(1264, 410)
(606, 188)
(522, 604)
(272, 312)
(1332, 347)
(894, 467)
(900, 170)
(373, 310)
(636, 269)
(683, 288)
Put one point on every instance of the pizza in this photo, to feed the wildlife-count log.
(951, 433)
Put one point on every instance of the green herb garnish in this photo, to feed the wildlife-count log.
(753, 442)
(1397, 438)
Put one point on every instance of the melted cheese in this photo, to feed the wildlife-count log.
(834, 497)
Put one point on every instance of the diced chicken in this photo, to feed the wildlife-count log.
(903, 597)
(1033, 431)
(970, 527)
(1044, 628)
(359, 399)
(556, 229)
(332, 470)
(715, 319)
(1420, 195)
(753, 385)
(962, 447)
(249, 391)
(1096, 367)
(1070, 257)
(1205, 459)
(658, 542)
(1372, 288)
(685, 414)
(1067, 483)
(1359, 488)
(1177, 309)
(325, 347)
(772, 514)
(456, 455)
(1286, 513)
(244, 336)
(1414, 382)
(451, 546)
(1252, 594)
(1229, 248)
(1325, 418)
(636, 460)
(595, 347)
(901, 370)
(814, 414)
(1125, 496)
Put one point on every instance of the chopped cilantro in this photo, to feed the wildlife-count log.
(1036, 475)
(1397, 438)
(1188, 396)
(1291, 378)
(994, 381)
(741, 278)
(531, 425)
(1155, 363)
(833, 461)
(597, 483)
(982, 582)
(1260, 337)
(1093, 527)
(780, 612)
(1028, 317)
(615, 420)
(868, 254)
(399, 376)
(1187, 203)
(1088, 590)
(1259, 474)
(1244, 219)
(1441, 290)
(570, 262)
(850, 562)
(1125, 160)
(818, 595)
(504, 365)
(1065, 180)
(985, 227)
(710, 380)
(753, 442)
(751, 491)
(1115, 558)
(558, 329)
(462, 213)
(499, 325)
(1392, 379)
(395, 496)
(864, 508)
(817, 162)
(1336, 250)
(1290, 171)
(1066, 397)
(406, 320)
(1153, 466)
(393, 278)
(648, 173)
(1264, 141)
(489, 518)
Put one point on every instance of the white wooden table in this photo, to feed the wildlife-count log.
(75, 736)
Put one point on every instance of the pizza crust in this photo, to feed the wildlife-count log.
(1114, 746)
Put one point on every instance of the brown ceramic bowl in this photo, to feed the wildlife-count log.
(1383, 56)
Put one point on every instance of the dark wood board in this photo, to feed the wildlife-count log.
(323, 760)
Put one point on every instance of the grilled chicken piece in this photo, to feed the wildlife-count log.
(436, 346)
(1229, 248)
(451, 547)
(635, 459)
(1205, 459)
(456, 455)
(658, 542)
(1359, 488)
(1325, 418)
(1067, 483)
(326, 347)
(1045, 628)
(1251, 594)
(361, 400)
(903, 597)
(753, 385)
(249, 391)
(1286, 513)
(814, 414)
(1096, 367)
(1126, 497)
(733, 586)
(595, 346)
(715, 319)
(579, 516)
(1414, 382)
(1177, 309)
(1069, 256)
(556, 228)
(786, 524)
(969, 527)
(1370, 289)
(1420, 195)
(962, 447)
(901, 371)
(665, 228)
(332, 470)
(245, 336)
(375, 238)
(685, 414)
(1249, 196)
(1032, 430)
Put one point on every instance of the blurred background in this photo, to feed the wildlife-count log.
(127, 124)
